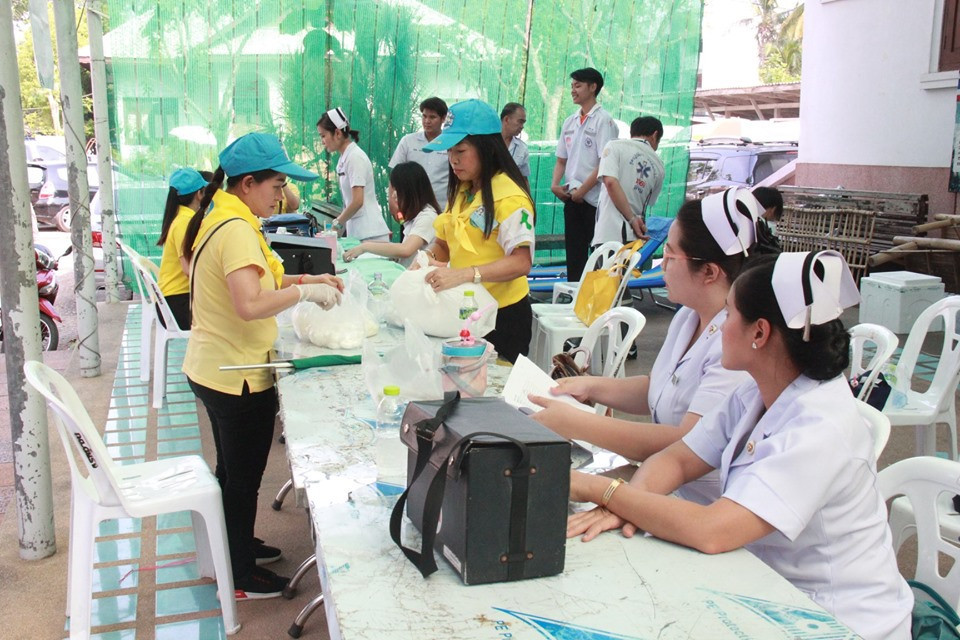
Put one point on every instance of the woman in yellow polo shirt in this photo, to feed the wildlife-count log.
(183, 200)
(237, 286)
(486, 235)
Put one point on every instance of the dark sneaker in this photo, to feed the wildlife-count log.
(264, 553)
(259, 584)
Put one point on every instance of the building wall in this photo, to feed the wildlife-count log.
(873, 114)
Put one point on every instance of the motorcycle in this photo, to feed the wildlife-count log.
(47, 288)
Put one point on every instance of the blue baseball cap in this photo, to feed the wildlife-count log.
(259, 151)
(467, 118)
(186, 181)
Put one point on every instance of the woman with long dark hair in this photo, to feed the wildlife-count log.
(486, 235)
(237, 287)
(797, 467)
(707, 246)
(412, 203)
(183, 200)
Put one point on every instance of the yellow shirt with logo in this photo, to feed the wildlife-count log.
(172, 279)
(218, 335)
(461, 227)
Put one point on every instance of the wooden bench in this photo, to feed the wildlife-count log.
(858, 224)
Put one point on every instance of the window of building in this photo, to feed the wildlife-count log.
(950, 37)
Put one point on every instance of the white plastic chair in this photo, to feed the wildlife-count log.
(936, 405)
(164, 334)
(148, 316)
(550, 332)
(599, 259)
(608, 340)
(926, 484)
(885, 344)
(109, 491)
(878, 424)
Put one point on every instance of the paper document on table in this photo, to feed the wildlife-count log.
(526, 378)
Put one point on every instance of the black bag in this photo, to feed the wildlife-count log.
(487, 487)
(302, 255)
(877, 397)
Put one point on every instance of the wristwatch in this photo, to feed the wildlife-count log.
(476, 275)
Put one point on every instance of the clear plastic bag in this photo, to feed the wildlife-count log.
(414, 366)
(437, 314)
(342, 327)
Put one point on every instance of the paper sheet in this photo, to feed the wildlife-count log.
(526, 378)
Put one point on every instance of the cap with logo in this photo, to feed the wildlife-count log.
(259, 151)
(467, 118)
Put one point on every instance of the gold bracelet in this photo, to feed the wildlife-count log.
(608, 494)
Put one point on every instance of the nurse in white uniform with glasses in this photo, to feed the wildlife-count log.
(797, 468)
(706, 248)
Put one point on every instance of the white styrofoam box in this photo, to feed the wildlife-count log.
(894, 299)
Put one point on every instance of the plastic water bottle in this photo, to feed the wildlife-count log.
(468, 305)
(389, 452)
(329, 236)
(378, 296)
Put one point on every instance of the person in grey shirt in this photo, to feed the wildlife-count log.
(512, 118)
(410, 149)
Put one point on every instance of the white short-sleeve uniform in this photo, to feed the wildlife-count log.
(422, 227)
(354, 170)
(639, 170)
(435, 163)
(691, 380)
(807, 467)
(520, 154)
(581, 144)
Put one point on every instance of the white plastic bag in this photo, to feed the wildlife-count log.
(414, 366)
(342, 327)
(437, 314)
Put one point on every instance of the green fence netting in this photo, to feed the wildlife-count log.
(187, 77)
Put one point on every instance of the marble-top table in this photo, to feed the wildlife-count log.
(611, 587)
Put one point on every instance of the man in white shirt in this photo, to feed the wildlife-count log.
(582, 138)
(410, 149)
(512, 118)
(631, 173)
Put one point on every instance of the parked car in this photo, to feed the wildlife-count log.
(717, 164)
(45, 149)
(48, 191)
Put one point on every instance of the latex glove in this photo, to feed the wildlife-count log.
(323, 294)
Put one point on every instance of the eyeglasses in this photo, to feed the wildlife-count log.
(669, 255)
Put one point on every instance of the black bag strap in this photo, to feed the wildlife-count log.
(424, 560)
(196, 255)
(425, 430)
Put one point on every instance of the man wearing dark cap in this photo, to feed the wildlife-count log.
(582, 138)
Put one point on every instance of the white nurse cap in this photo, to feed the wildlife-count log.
(339, 118)
(813, 288)
(731, 217)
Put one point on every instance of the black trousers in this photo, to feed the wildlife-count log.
(579, 220)
(511, 335)
(180, 306)
(242, 433)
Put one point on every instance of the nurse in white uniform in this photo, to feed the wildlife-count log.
(704, 252)
(796, 461)
(361, 215)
